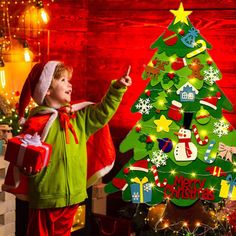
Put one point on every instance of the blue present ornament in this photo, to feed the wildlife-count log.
(189, 39)
(141, 190)
(228, 188)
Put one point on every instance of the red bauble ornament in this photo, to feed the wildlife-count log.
(148, 139)
(148, 93)
(138, 128)
(182, 32)
(17, 93)
(126, 170)
(209, 62)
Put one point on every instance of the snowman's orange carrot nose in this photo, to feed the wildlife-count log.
(178, 134)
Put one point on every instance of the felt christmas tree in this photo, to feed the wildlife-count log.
(183, 147)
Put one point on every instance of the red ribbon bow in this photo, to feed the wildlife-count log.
(64, 117)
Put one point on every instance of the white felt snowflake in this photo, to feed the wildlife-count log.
(147, 187)
(211, 75)
(144, 106)
(221, 128)
(159, 158)
(135, 196)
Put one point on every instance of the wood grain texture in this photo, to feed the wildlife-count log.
(100, 38)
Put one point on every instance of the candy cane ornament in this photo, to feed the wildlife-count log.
(199, 50)
(156, 178)
(196, 134)
(208, 151)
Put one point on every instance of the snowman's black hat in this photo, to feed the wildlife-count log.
(188, 116)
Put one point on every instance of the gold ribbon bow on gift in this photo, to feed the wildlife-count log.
(141, 183)
(226, 151)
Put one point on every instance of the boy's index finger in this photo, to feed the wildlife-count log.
(128, 71)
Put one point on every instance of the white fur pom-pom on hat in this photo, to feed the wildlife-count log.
(37, 84)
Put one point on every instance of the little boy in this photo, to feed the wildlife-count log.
(56, 190)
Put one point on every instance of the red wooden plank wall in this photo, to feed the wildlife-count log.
(100, 38)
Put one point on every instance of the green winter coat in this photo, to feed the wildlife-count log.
(63, 181)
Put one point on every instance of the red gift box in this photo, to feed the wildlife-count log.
(28, 151)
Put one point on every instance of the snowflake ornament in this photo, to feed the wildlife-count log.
(144, 106)
(211, 75)
(147, 187)
(135, 196)
(221, 128)
(159, 158)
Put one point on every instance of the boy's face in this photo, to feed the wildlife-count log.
(60, 90)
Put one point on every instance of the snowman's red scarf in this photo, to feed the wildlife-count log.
(187, 148)
(100, 151)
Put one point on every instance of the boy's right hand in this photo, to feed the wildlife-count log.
(124, 81)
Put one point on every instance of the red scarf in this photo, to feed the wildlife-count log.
(187, 149)
(64, 118)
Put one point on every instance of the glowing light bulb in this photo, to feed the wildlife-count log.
(44, 15)
(2, 74)
(27, 55)
(193, 174)
(2, 78)
(166, 225)
(27, 52)
(153, 137)
(185, 224)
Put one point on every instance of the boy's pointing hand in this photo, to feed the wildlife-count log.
(124, 81)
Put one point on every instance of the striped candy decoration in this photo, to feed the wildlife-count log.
(156, 178)
(196, 134)
(208, 151)
(199, 50)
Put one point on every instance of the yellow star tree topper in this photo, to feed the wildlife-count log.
(180, 14)
(163, 124)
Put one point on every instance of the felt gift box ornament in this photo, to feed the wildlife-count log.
(141, 190)
(228, 188)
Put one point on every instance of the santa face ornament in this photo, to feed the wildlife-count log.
(185, 150)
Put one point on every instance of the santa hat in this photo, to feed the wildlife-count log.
(37, 84)
(211, 101)
(120, 183)
(141, 165)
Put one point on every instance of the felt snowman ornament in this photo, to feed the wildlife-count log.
(185, 150)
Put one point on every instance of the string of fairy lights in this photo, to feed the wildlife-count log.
(163, 223)
(22, 24)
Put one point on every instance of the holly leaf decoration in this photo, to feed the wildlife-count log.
(149, 146)
(142, 138)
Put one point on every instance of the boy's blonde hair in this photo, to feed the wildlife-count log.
(60, 68)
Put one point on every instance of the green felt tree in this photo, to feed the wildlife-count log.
(183, 147)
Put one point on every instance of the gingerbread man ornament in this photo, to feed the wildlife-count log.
(196, 67)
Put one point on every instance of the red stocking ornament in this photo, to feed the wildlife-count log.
(174, 111)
